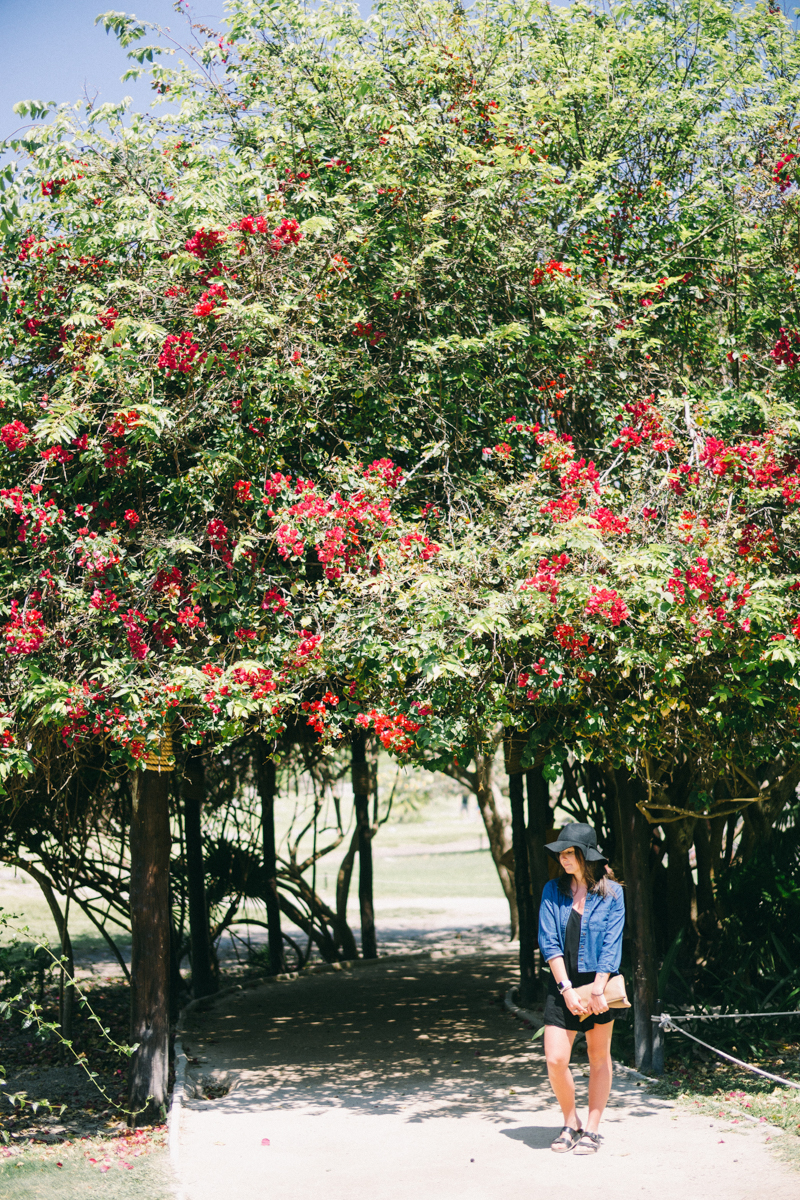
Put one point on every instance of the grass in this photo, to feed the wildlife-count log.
(67, 1172)
(718, 1089)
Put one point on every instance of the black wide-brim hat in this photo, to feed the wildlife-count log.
(577, 836)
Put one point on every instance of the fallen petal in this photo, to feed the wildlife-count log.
(265, 1141)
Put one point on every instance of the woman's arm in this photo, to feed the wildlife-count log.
(611, 951)
(571, 998)
(597, 1002)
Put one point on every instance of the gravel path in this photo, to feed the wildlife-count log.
(407, 1079)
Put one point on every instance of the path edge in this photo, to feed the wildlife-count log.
(206, 1003)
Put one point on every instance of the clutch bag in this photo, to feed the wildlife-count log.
(614, 992)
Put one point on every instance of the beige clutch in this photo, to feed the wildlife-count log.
(614, 992)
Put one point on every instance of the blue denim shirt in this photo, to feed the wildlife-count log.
(601, 927)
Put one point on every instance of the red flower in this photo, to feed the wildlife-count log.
(204, 241)
(14, 436)
(131, 517)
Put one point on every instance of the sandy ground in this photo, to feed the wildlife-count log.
(407, 1079)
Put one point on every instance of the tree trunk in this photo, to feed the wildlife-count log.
(678, 835)
(707, 916)
(522, 880)
(540, 820)
(344, 934)
(635, 833)
(361, 783)
(265, 767)
(204, 975)
(497, 832)
(150, 930)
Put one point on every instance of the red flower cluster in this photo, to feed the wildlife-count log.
(204, 241)
(369, 332)
(218, 537)
(577, 643)
(604, 602)
(259, 680)
(25, 632)
(385, 470)
(122, 422)
(780, 175)
(131, 517)
(288, 233)
(318, 710)
(290, 543)
(190, 617)
(108, 318)
(179, 353)
(14, 436)
(116, 458)
(502, 450)
(521, 426)
(546, 578)
(132, 621)
(169, 583)
(645, 424)
(273, 601)
(394, 732)
(607, 521)
(784, 352)
(215, 297)
(550, 269)
(420, 544)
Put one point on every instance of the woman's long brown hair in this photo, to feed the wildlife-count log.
(594, 883)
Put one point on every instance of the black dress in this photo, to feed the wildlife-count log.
(555, 1008)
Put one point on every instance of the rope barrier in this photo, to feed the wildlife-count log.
(730, 1016)
(667, 1023)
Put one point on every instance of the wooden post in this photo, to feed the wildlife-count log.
(361, 784)
(150, 947)
(639, 906)
(540, 819)
(265, 770)
(204, 978)
(522, 881)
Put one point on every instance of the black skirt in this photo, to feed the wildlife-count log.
(555, 1008)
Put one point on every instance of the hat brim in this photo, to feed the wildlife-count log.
(588, 853)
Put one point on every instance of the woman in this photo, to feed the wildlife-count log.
(581, 918)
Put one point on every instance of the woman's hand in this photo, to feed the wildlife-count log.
(597, 1003)
(574, 1003)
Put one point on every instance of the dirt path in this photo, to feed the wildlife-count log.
(406, 1080)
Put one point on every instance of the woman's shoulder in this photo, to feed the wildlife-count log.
(614, 890)
(551, 890)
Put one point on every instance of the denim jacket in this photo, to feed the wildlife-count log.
(601, 927)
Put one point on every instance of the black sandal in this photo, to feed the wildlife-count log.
(566, 1140)
(590, 1143)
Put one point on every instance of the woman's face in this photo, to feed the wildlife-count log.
(569, 862)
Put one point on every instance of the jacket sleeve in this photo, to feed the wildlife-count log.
(611, 950)
(549, 927)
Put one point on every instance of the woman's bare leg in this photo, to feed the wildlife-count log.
(598, 1045)
(557, 1052)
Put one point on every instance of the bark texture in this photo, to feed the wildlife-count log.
(150, 946)
(204, 974)
(361, 790)
(639, 907)
(522, 879)
(265, 770)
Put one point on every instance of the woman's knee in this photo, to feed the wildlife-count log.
(557, 1059)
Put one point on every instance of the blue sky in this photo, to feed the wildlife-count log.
(53, 50)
